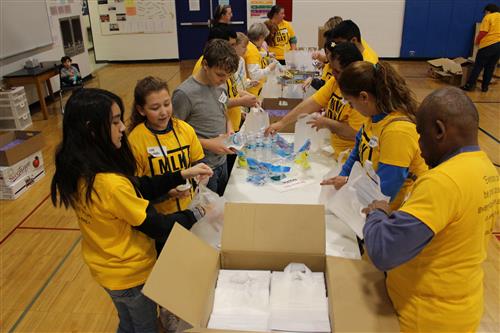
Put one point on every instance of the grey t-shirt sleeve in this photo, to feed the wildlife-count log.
(181, 104)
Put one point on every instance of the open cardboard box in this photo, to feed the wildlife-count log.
(454, 72)
(278, 108)
(268, 237)
(32, 142)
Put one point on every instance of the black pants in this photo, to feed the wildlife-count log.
(486, 59)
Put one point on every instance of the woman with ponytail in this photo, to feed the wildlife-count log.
(388, 138)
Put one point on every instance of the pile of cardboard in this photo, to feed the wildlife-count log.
(268, 237)
(454, 72)
(21, 162)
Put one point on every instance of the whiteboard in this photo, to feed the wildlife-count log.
(24, 26)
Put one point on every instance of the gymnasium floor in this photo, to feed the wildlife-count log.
(44, 284)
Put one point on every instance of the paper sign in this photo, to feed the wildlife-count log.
(194, 5)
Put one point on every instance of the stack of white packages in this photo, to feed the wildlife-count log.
(241, 301)
(298, 300)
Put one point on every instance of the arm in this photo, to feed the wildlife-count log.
(216, 145)
(480, 36)
(257, 73)
(181, 104)
(392, 178)
(154, 187)
(343, 130)
(395, 239)
(247, 100)
(353, 157)
(158, 226)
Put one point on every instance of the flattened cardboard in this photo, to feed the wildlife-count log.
(183, 279)
(32, 142)
(358, 298)
(274, 228)
(275, 104)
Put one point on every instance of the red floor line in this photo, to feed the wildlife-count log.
(48, 228)
(24, 220)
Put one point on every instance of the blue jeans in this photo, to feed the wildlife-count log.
(137, 313)
(218, 181)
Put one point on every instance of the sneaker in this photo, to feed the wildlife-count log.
(484, 89)
(467, 87)
(169, 322)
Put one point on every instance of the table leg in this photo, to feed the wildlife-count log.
(51, 92)
(41, 98)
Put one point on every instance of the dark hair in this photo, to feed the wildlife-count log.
(63, 59)
(491, 7)
(220, 10)
(346, 53)
(383, 82)
(221, 31)
(220, 53)
(142, 89)
(273, 11)
(346, 30)
(273, 29)
(87, 148)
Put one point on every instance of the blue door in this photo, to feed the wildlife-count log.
(193, 26)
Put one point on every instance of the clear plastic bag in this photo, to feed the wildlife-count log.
(256, 121)
(209, 227)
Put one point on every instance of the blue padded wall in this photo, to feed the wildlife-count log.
(440, 28)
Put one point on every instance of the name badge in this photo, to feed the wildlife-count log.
(156, 151)
(373, 142)
(223, 98)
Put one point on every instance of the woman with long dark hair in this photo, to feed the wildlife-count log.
(95, 176)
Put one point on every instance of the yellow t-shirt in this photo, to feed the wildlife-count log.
(396, 143)
(368, 53)
(119, 257)
(182, 147)
(253, 57)
(441, 289)
(490, 24)
(234, 113)
(282, 40)
(329, 97)
(327, 72)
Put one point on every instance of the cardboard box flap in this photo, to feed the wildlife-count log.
(356, 289)
(29, 142)
(274, 228)
(448, 65)
(184, 277)
(462, 61)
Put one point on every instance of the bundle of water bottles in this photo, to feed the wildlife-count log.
(267, 158)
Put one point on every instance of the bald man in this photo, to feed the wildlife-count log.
(433, 246)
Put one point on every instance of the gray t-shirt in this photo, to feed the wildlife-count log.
(203, 107)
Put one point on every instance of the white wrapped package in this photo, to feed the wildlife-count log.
(328, 191)
(241, 301)
(298, 300)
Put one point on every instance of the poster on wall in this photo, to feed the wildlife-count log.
(259, 8)
(136, 16)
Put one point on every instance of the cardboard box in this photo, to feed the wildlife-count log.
(278, 108)
(268, 237)
(28, 166)
(15, 190)
(30, 142)
(454, 72)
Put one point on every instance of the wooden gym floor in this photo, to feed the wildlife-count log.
(44, 284)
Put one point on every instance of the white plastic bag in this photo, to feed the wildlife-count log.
(298, 300)
(256, 121)
(209, 227)
(363, 187)
(328, 191)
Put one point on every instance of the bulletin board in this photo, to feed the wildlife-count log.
(136, 16)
